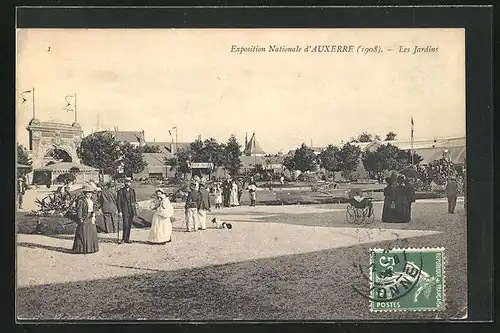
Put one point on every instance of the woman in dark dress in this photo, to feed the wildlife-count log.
(402, 207)
(86, 234)
(388, 209)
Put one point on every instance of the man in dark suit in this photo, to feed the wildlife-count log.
(107, 202)
(204, 206)
(451, 194)
(127, 208)
(226, 191)
(21, 190)
(191, 208)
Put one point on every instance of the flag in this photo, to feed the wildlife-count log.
(412, 127)
(68, 103)
(169, 133)
(22, 95)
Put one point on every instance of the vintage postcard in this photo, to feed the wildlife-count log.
(241, 174)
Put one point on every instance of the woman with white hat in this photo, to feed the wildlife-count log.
(161, 225)
(86, 234)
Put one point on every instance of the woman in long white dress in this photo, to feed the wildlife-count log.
(233, 198)
(161, 225)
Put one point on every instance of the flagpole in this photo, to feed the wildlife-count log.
(33, 97)
(176, 139)
(76, 116)
(411, 140)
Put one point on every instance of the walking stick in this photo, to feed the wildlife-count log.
(118, 229)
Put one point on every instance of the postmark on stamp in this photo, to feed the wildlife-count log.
(411, 279)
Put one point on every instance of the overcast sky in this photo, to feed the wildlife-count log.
(153, 80)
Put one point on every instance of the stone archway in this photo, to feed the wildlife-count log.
(48, 136)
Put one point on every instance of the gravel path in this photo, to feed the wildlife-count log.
(278, 262)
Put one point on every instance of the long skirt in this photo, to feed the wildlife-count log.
(161, 230)
(402, 210)
(388, 210)
(233, 199)
(86, 238)
(110, 222)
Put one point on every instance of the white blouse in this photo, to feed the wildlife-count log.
(90, 204)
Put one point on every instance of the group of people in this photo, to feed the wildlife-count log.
(122, 203)
(227, 194)
(399, 195)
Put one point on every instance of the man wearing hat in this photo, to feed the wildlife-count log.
(107, 201)
(204, 206)
(21, 190)
(127, 208)
(193, 201)
(451, 194)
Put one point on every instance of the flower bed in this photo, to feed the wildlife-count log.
(61, 225)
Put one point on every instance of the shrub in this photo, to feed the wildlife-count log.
(66, 178)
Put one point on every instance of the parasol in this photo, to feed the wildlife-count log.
(22, 166)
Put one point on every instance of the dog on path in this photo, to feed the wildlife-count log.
(219, 224)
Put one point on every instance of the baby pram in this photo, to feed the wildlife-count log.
(359, 208)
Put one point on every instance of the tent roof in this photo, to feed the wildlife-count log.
(253, 147)
(155, 159)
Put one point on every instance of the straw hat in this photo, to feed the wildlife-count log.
(160, 190)
(88, 188)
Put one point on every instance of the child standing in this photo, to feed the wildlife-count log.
(218, 196)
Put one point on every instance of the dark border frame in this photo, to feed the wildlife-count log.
(477, 21)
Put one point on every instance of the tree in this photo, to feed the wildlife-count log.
(151, 149)
(365, 137)
(180, 160)
(387, 157)
(348, 158)
(289, 163)
(329, 159)
(208, 151)
(100, 150)
(232, 162)
(132, 159)
(438, 171)
(391, 136)
(197, 153)
(304, 158)
(23, 158)
(214, 152)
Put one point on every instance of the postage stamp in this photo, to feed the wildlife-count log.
(411, 279)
